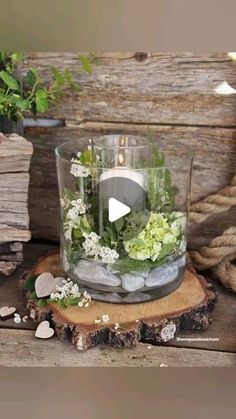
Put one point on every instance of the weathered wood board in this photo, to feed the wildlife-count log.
(166, 88)
(16, 345)
(158, 321)
(15, 156)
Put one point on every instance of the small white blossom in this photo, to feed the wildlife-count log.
(117, 326)
(17, 318)
(105, 318)
(25, 318)
(93, 248)
(71, 290)
(89, 147)
(78, 170)
(32, 314)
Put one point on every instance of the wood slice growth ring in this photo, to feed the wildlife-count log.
(189, 307)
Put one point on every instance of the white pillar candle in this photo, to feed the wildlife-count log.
(123, 172)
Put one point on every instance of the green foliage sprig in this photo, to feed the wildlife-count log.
(160, 192)
(32, 95)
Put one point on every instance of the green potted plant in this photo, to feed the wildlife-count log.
(29, 95)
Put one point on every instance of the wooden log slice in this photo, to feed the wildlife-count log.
(189, 307)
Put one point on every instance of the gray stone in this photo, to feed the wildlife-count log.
(162, 275)
(136, 298)
(132, 282)
(110, 297)
(95, 273)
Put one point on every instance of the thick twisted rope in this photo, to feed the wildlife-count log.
(213, 204)
(221, 251)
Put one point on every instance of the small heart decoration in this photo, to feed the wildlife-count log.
(7, 312)
(44, 331)
(46, 284)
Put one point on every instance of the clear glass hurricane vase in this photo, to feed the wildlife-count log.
(124, 211)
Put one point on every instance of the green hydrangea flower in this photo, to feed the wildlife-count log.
(159, 234)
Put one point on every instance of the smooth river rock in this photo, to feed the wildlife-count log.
(110, 297)
(162, 275)
(92, 272)
(139, 297)
(132, 282)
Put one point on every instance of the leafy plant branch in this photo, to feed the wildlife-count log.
(33, 95)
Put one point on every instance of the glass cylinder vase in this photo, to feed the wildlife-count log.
(124, 212)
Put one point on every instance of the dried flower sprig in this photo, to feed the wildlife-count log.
(69, 295)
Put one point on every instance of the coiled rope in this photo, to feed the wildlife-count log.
(221, 251)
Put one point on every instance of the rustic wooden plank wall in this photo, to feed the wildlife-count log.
(173, 94)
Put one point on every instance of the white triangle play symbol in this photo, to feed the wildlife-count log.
(116, 209)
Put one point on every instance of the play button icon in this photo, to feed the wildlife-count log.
(117, 209)
(119, 197)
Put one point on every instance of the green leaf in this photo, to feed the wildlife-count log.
(23, 104)
(31, 77)
(111, 233)
(10, 81)
(106, 236)
(119, 224)
(33, 295)
(72, 301)
(29, 285)
(58, 76)
(41, 100)
(86, 63)
(42, 302)
(76, 234)
(166, 249)
(127, 265)
(17, 57)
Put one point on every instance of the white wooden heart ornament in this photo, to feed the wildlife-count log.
(46, 284)
(44, 331)
(7, 312)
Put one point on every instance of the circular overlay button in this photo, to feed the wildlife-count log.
(121, 197)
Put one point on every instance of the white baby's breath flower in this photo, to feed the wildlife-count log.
(93, 248)
(71, 290)
(17, 318)
(78, 170)
(117, 326)
(96, 321)
(89, 147)
(32, 314)
(105, 318)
